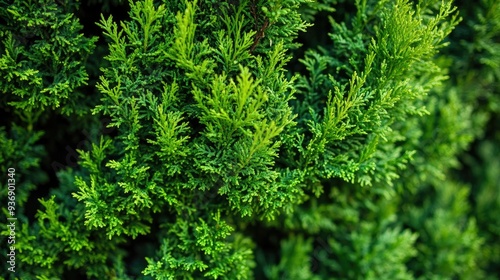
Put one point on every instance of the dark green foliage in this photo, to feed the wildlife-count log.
(19, 149)
(487, 201)
(42, 58)
(234, 152)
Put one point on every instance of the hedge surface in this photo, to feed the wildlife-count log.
(250, 139)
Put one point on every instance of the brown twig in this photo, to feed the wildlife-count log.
(261, 31)
(260, 34)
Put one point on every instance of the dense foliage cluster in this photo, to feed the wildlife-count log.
(251, 139)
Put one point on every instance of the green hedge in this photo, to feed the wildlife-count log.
(250, 139)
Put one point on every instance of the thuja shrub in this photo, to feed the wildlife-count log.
(250, 139)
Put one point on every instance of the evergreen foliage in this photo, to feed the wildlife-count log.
(42, 59)
(245, 141)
